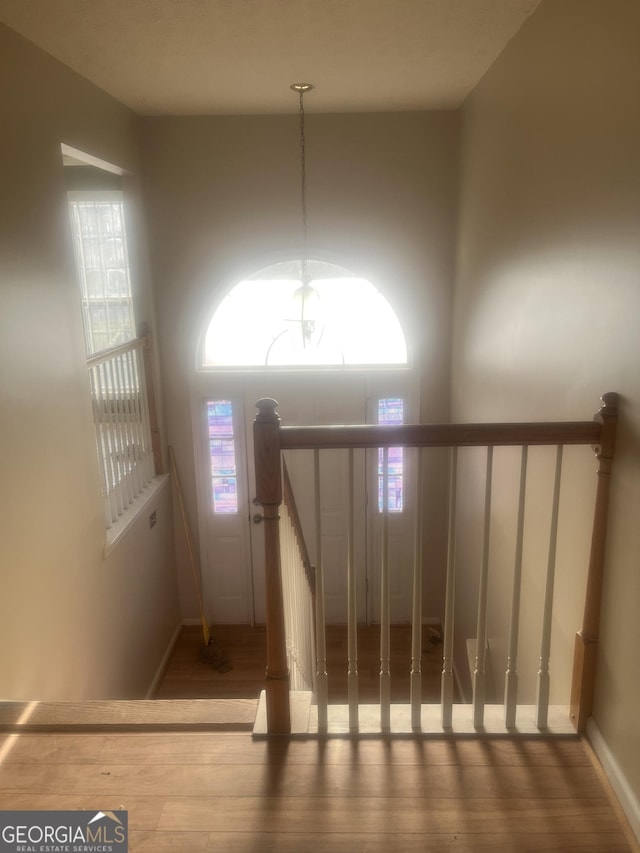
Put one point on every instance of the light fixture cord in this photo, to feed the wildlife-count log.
(303, 190)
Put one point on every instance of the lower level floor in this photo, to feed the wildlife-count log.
(235, 666)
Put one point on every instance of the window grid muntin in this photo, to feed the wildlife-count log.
(357, 325)
(100, 244)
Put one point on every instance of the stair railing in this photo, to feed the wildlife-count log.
(298, 586)
(126, 423)
(270, 440)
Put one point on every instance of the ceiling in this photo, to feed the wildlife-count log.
(197, 57)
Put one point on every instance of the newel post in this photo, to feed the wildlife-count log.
(586, 645)
(266, 437)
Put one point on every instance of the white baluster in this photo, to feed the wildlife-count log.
(479, 676)
(297, 597)
(284, 575)
(110, 432)
(100, 435)
(447, 650)
(294, 614)
(311, 628)
(296, 600)
(511, 676)
(385, 640)
(542, 700)
(305, 624)
(287, 570)
(130, 420)
(118, 429)
(321, 640)
(416, 619)
(135, 420)
(145, 452)
(149, 465)
(352, 616)
(121, 402)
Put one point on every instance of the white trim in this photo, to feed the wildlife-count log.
(164, 662)
(116, 533)
(628, 801)
(97, 195)
(89, 159)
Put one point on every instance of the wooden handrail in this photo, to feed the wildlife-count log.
(106, 354)
(440, 435)
(290, 502)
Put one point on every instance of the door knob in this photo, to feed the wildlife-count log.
(257, 518)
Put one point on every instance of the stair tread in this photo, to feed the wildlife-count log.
(230, 714)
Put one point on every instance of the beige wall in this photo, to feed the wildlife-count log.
(72, 623)
(547, 305)
(223, 200)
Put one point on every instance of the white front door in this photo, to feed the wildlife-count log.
(230, 520)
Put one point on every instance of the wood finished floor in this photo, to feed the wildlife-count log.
(224, 791)
(188, 677)
(188, 791)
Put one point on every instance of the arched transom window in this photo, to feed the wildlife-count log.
(304, 313)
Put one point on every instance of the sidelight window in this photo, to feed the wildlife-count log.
(222, 455)
(391, 411)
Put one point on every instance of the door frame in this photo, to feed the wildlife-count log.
(214, 385)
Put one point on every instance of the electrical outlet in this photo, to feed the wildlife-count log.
(152, 519)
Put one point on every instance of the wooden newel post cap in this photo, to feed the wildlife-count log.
(266, 407)
(609, 406)
(608, 417)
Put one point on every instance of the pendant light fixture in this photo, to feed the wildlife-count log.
(306, 308)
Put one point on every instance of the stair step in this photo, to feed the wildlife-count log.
(150, 714)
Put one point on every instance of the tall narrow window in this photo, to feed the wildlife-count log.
(115, 357)
(222, 453)
(97, 221)
(391, 411)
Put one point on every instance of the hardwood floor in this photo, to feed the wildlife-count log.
(187, 676)
(194, 791)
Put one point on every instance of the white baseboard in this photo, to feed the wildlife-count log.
(628, 801)
(163, 663)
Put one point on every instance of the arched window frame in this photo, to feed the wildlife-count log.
(354, 327)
